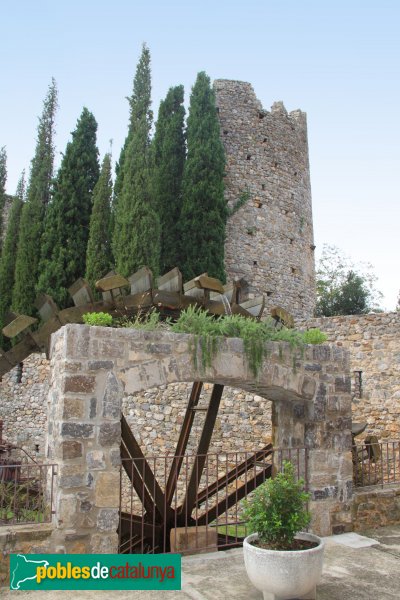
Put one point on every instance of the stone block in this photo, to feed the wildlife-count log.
(193, 540)
(106, 543)
(95, 459)
(107, 490)
(77, 430)
(112, 398)
(74, 408)
(71, 450)
(108, 519)
(110, 434)
(100, 365)
(79, 384)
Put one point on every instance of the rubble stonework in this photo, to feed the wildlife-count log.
(91, 367)
(269, 242)
(373, 342)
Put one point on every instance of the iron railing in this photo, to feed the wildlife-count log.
(192, 503)
(26, 492)
(376, 463)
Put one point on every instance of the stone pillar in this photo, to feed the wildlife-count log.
(326, 423)
(84, 437)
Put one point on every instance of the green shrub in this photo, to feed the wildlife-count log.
(276, 510)
(314, 336)
(149, 321)
(98, 318)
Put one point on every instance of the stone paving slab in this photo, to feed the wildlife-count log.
(350, 572)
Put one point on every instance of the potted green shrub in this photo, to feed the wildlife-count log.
(280, 561)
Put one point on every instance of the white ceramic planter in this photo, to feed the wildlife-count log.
(283, 575)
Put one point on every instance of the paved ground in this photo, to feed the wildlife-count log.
(356, 568)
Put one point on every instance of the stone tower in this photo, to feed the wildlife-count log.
(269, 245)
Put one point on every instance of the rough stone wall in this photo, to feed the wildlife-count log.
(23, 406)
(374, 344)
(91, 366)
(269, 244)
(374, 508)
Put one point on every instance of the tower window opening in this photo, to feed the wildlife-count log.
(358, 384)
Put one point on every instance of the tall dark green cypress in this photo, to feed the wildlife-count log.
(169, 153)
(38, 197)
(98, 256)
(66, 227)
(136, 237)
(204, 211)
(3, 179)
(7, 261)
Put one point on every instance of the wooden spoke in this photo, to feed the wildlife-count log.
(236, 472)
(204, 443)
(144, 468)
(183, 441)
(234, 497)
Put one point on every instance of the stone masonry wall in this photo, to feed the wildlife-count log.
(269, 243)
(374, 344)
(92, 366)
(376, 507)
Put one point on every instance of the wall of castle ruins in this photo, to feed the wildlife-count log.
(269, 245)
(374, 344)
(244, 420)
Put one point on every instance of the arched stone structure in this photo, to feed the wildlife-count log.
(92, 366)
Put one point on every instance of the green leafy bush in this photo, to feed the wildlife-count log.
(98, 318)
(314, 336)
(207, 328)
(276, 510)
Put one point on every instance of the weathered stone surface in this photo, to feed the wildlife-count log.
(110, 434)
(80, 384)
(71, 449)
(268, 156)
(74, 408)
(95, 459)
(107, 490)
(189, 540)
(77, 430)
(108, 519)
(112, 397)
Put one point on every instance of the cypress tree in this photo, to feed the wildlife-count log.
(66, 226)
(38, 197)
(3, 179)
(169, 153)
(7, 261)
(204, 212)
(98, 256)
(136, 237)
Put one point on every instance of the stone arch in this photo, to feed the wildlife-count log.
(91, 367)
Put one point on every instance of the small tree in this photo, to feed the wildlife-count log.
(343, 288)
(276, 510)
(33, 213)
(98, 256)
(169, 153)
(136, 236)
(66, 227)
(204, 212)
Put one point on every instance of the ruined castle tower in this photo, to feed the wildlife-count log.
(269, 245)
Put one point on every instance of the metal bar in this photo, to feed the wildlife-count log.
(182, 441)
(234, 496)
(133, 473)
(225, 480)
(204, 443)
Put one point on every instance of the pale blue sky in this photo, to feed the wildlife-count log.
(336, 60)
